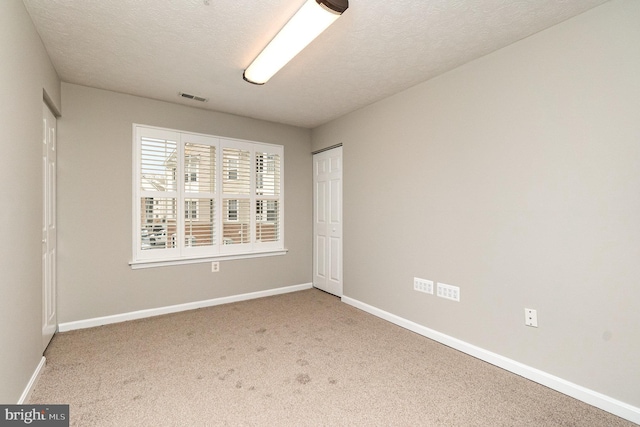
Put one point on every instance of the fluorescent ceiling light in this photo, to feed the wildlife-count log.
(312, 19)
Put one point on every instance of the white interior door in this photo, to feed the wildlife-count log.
(327, 221)
(49, 319)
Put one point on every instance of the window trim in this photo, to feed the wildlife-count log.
(149, 263)
(183, 253)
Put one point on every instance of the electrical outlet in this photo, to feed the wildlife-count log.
(531, 317)
(422, 285)
(215, 266)
(449, 292)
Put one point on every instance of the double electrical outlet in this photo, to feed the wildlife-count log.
(442, 290)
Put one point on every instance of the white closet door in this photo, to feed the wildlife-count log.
(327, 221)
(49, 229)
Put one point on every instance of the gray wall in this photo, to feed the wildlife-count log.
(95, 205)
(25, 71)
(517, 178)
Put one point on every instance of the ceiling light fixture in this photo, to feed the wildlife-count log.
(313, 18)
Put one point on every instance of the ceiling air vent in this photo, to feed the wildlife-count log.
(193, 97)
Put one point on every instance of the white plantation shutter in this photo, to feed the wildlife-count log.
(199, 223)
(268, 188)
(236, 193)
(236, 171)
(202, 197)
(157, 194)
(237, 221)
(267, 174)
(200, 160)
(157, 164)
(267, 220)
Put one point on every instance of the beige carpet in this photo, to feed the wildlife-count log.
(300, 359)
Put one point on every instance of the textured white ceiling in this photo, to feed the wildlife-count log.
(157, 48)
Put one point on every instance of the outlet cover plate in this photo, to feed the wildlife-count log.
(531, 317)
(448, 292)
(423, 285)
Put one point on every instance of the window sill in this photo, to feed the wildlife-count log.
(150, 263)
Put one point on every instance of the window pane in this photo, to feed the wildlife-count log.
(236, 171)
(236, 224)
(158, 223)
(267, 221)
(267, 174)
(199, 222)
(158, 164)
(199, 168)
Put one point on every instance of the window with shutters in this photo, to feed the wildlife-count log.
(201, 197)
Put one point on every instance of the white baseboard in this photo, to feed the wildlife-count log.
(583, 394)
(141, 314)
(26, 394)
